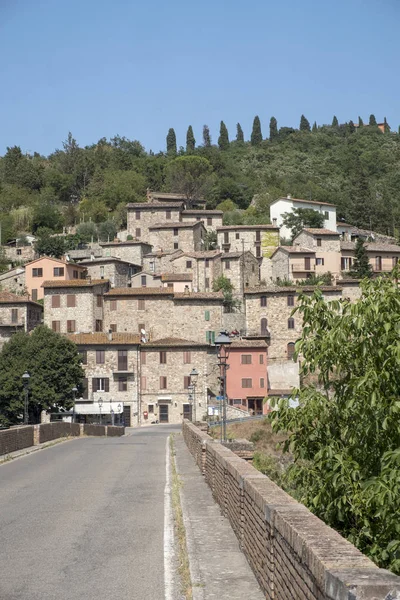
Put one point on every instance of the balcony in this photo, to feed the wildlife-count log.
(10, 323)
(256, 334)
(301, 267)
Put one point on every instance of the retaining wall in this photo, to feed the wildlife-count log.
(53, 431)
(293, 554)
(15, 438)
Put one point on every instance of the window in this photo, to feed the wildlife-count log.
(176, 231)
(262, 382)
(163, 383)
(258, 252)
(55, 302)
(100, 357)
(319, 242)
(395, 260)
(141, 327)
(141, 304)
(264, 326)
(19, 251)
(58, 271)
(188, 264)
(99, 325)
(209, 220)
(261, 359)
(197, 219)
(320, 261)
(150, 408)
(207, 283)
(307, 264)
(143, 280)
(138, 232)
(207, 315)
(14, 315)
(113, 305)
(163, 357)
(326, 214)
(210, 337)
(290, 300)
(113, 327)
(82, 275)
(227, 265)
(83, 355)
(75, 274)
(186, 382)
(258, 236)
(102, 272)
(55, 325)
(187, 359)
(71, 328)
(252, 268)
(290, 323)
(168, 215)
(290, 350)
(143, 382)
(170, 285)
(71, 300)
(37, 272)
(34, 295)
(237, 235)
(247, 383)
(176, 245)
(263, 301)
(137, 215)
(226, 237)
(123, 384)
(207, 263)
(122, 360)
(101, 384)
(246, 359)
(378, 263)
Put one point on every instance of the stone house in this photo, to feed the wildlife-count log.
(117, 271)
(246, 381)
(179, 282)
(166, 365)
(292, 263)
(75, 305)
(145, 279)
(204, 267)
(167, 197)
(46, 269)
(111, 362)
(326, 245)
(242, 270)
(188, 237)
(261, 240)
(131, 251)
(141, 216)
(13, 280)
(198, 315)
(17, 313)
(211, 219)
(159, 262)
(19, 254)
(287, 205)
(382, 257)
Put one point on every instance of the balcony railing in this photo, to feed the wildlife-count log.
(302, 267)
(10, 323)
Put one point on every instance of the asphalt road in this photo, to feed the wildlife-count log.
(85, 520)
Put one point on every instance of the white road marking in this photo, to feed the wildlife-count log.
(168, 529)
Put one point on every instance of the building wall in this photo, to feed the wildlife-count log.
(13, 281)
(47, 265)
(151, 280)
(129, 252)
(187, 239)
(269, 240)
(159, 263)
(27, 317)
(148, 217)
(23, 254)
(284, 205)
(280, 266)
(178, 286)
(216, 220)
(328, 252)
(84, 313)
(351, 289)
(204, 271)
(118, 274)
(238, 371)
(297, 266)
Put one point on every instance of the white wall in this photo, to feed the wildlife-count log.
(284, 205)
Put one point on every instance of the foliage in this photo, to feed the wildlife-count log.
(239, 134)
(223, 284)
(87, 232)
(323, 279)
(171, 142)
(190, 141)
(256, 134)
(372, 121)
(345, 434)
(46, 215)
(107, 231)
(273, 129)
(189, 175)
(361, 266)
(49, 244)
(54, 366)
(335, 122)
(206, 136)
(210, 240)
(223, 140)
(304, 124)
(302, 217)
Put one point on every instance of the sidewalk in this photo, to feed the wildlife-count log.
(4, 458)
(219, 570)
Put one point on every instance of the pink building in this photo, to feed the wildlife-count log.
(246, 377)
(49, 269)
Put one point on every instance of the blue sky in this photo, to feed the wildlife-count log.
(101, 67)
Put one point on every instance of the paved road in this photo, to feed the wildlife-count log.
(85, 520)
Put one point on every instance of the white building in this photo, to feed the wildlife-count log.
(284, 205)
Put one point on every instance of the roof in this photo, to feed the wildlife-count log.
(73, 283)
(177, 225)
(160, 253)
(286, 392)
(142, 291)
(248, 344)
(305, 201)
(57, 260)
(103, 338)
(244, 227)
(88, 261)
(339, 224)
(292, 289)
(316, 231)
(173, 195)
(127, 243)
(200, 255)
(212, 296)
(371, 247)
(171, 341)
(9, 298)
(153, 205)
(293, 250)
(176, 277)
(236, 254)
(205, 211)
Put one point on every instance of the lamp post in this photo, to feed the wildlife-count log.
(100, 402)
(223, 343)
(112, 413)
(119, 413)
(190, 398)
(25, 380)
(193, 380)
(74, 391)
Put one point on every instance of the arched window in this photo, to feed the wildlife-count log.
(264, 326)
(290, 350)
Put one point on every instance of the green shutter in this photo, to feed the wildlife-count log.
(208, 336)
(207, 315)
(212, 336)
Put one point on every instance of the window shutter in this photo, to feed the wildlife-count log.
(208, 336)
(212, 337)
(207, 315)
(106, 384)
(85, 385)
(94, 384)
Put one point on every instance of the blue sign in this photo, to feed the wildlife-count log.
(219, 398)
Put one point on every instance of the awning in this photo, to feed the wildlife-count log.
(94, 408)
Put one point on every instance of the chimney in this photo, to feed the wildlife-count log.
(186, 290)
(110, 335)
(274, 222)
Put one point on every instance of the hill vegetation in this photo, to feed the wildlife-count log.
(356, 168)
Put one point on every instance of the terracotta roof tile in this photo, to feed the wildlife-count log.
(244, 227)
(9, 298)
(371, 247)
(316, 231)
(293, 250)
(74, 283)
(295, 289)
(103, 339)
(171, 341)
(127, 243)
(212, 296)
(176, 225)
(154, 205)
(249, 344)
(200, 255)
(176, 277)
(57, 260)
(147, 291)
(205, 212)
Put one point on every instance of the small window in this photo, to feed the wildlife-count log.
(207, 315)
(101, 384)
(113, 305)
(207, 283)
(320, 261)
(143, 280)
(170, 285)
(58, 271)
(99, 301)
(55, 301)
(264, 326)
(326, 214)
(141, 304)
(395, 260)
(102, 272)
(209, 220)
(19, 251)
(138, 232)
(71, 300)
(141, 327)
(237, 235)
(71, 326)
(176, 231)
(163, 357)
(258, 236)
(14, 315)
(263, 301)
(100, 357)
(163, 383)
(37, 272)
(150, 408)
(207, 263)
(186, 382)
(319, 242)
(226, 237)
(83, 356)
(137, 215)
(34, 295)
(290, 350)
(246, 359)
(261, 359)
(99, 325)
(378, 263)
(258, 252)
(176, 245)
(197, 219)
(143, 358)
(290, 300)
(247, 383)
(122, 360)
(113, 327)
(290, 323)
(262, 382)
(75, 274)
(187, 359)
(210, 337)
(227, 265)
(123, 384)
(168, 215)
(82, 276)
(55, 325)
(188, 264)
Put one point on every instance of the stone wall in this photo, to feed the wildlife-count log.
(13, 281)
(280, 266)
(132, 251)
(187, 238)
(118, 273)
(204, 270)
(293, 554)
(84, 313)
(16, 438)
(329, 243)
(98, 430)
(148, 216)
(56, 430)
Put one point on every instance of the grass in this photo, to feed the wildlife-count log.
(180, 531)
(259, 432)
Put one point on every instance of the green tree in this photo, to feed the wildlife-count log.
(210, 240)
(206, 136)
(171, 142)
(46, 215)
(54, 365)
(360, 122)
(224, 285)
(239, 133)
(351, 127)
(112, 187)
(107, 231)
(49, 244)
(372, 121)
(190, 141)
(87, 232)
(386, 127)
(189, 175)
(314, 127)
(304, 124)
(300, 218)
(335, 122)
(256, 134)
(361, 209)
(361, 266)
(273, 129)
(223, 140)
(345, 433)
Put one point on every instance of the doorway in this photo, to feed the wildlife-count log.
(163, 410)
(187, 411)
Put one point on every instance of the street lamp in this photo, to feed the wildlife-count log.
(74, 391)
(193, 381)
(119, 413)
(190, 398)
(223, 343)
(100, 403)
(25, 380)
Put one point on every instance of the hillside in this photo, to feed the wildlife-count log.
(358, 169)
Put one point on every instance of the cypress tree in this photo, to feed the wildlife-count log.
(372, 121)
(256, 135)
(171, 142)
(314, 127)
(304, 124)
(335, 122)
(190, 141)
(223, 140)
(206, 136)
(360, 122)
(351, 127)
(361, 267)
(239, 133)
(273, 129)
(385, 126)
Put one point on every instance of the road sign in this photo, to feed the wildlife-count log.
(219, 398)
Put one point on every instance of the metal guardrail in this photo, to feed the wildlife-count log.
(238, 420)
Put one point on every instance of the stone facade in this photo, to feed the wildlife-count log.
(261, 240)
(145, 279)
(13, 280)
(292, 263)
(117, 271)
(188, 237)
(326, 245)
(17, 313)
(47, 268)
(74, 306)
(131, 251)
(211, 219)
(204, 267)
(142, 216)
(159, 262)
(241, 270)
(20, 255)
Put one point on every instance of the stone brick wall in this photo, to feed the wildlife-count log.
(117, 273)
(98, 430)
(13, 280)
(187, 239)
(196, 215)
(147, 217)
(329, 243)
(115, 431)
(204, 272)
(269, 240)
(159, 262)
(293, 554)
(132, 252)
(15, 438)
(280, 266)
(84, 313)
(54, 431)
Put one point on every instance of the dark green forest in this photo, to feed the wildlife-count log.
(355, 167)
